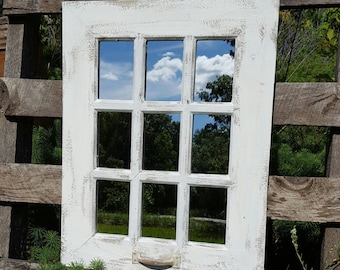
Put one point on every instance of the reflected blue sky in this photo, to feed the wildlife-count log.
(164, 63)
(163, 67)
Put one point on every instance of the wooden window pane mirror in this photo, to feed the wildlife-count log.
(138, 115)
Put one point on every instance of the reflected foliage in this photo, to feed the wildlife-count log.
(210, 150)
(161, 142)
(219, 90)
(114, 142)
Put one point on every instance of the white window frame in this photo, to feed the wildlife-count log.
(253, 25)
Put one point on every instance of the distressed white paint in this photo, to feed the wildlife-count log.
(253, 24)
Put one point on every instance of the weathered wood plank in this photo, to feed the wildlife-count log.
(289, 198)
(304, 199)
(5, 230)
(11, 264)
(15, 40)
(331, 234)
(13, 7)
(36, 98)
(314, 104)
(30, 183)
(308, 3)
(8, 132)
(3, 32)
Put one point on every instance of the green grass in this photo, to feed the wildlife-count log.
(162, 227)
(113, 229)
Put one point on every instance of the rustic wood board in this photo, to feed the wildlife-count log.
(308, 3)
(289, 198)
(3, 32)
(11, 264)
(13, 60)
(304, 198)
(331, 235)
(30, 183)
(36, 98)
(14, 7)
(313, 104)
(8, 131)
(5, 230)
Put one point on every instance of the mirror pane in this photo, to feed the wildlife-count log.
(207, 214)
(159, 211)
(114, 139)
(210, 144)
(115, 69)
(113, 207)
(161, 142)
(214, 70)
(164, 61)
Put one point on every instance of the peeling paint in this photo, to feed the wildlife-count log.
(251, 23)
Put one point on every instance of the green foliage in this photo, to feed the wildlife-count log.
(206, 231)
(161, 142)
(210, 150)
(112, 218)
(299, 151)
(162, 227)
(113, 196)
(45, 250)
(45, 247)
(46, 144)
(296, 247)
(282, 254)
(97, 264)
(307, 45)
(114, 139)
(50, 34)
(219, 90)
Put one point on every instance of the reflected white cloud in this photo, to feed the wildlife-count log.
(208, 68)
(115, 80)
(165, 69)
(115, 71)
(164, 79)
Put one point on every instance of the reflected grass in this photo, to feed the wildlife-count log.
(164, 227)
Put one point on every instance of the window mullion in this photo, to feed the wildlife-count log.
(137, 138)
(185, 141)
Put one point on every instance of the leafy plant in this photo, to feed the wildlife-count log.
(296, 247)
(45, 247)
(336, 249)
(45, 250)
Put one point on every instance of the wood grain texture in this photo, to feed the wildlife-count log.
(331, 235)
(14, 49)
(8, 131)
(30, 183)
(36, 98)
(14, 7)
(11, 264)
(304, 199)
(289, 198)
(3, 32)
(308, 3)
(314, 104)
(5, 230)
